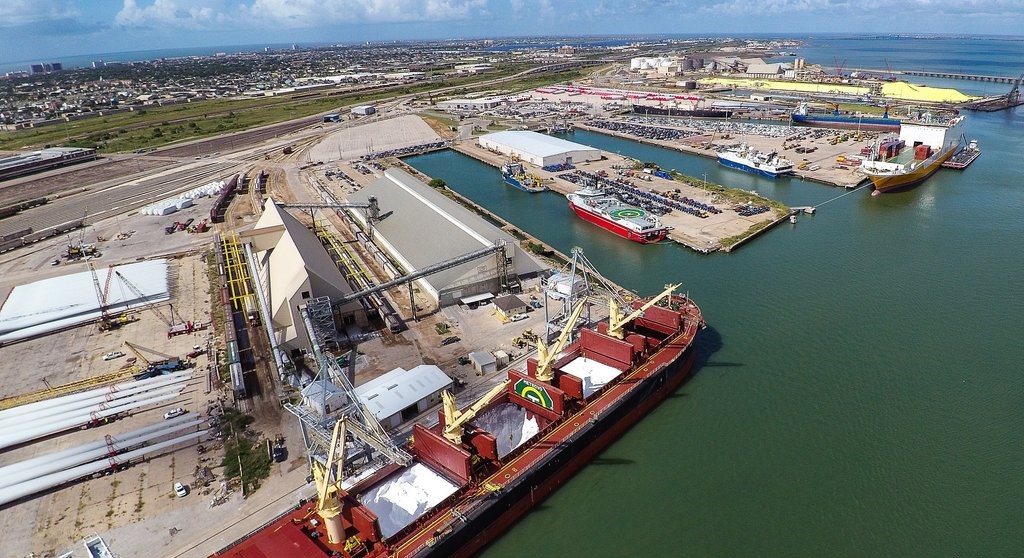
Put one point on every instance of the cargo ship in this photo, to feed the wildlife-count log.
(802, 116)
(676, 112)
(612, 214)
(933, 140)
(480, 469)
(514, 174)
(961, 159)
(746, 159)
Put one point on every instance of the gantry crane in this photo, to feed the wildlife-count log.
(616, 322)
(546, 355)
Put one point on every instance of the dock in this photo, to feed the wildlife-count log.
(701, 235)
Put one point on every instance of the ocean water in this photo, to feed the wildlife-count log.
(859, 390)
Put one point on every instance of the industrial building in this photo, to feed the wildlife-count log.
(400, 395)
(414, 212)
(539, 149)
(470, 105)
(363, 110)
(44, 159)
(298, 268)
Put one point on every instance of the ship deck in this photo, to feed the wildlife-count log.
(520, 465)
(413, 525)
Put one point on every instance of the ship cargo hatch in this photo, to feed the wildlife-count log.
(595, 375)
(510, 424)
(405, 496)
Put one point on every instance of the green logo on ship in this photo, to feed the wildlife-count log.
(534, 394)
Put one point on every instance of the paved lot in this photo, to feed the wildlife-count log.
(373, 136)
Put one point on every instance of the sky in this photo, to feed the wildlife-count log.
(46, 30)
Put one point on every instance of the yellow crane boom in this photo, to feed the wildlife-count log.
(328, 504)
(454, 420)
(546, 355)
(616, 321)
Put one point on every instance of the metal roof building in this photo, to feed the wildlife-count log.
(399, 392)
(425, 227)
(298, 268)
(538, 149)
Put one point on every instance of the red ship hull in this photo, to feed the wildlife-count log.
(478, 515)
(612, 226)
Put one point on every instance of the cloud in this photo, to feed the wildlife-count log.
(15, 13)
(219, 14)
(864, 8)
(187, 14)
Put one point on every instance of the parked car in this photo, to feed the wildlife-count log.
(518, 317)
(174, 413)
(112, 355)
(179, 490)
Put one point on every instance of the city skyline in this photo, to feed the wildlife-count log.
(50, 29)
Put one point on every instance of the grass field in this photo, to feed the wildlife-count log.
(156, 126)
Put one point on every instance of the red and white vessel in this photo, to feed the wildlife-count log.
(612, 214)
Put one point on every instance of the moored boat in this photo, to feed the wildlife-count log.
(612, 214)
(514, 174)
(746, 159)
(934, 140)
(802, 116)
(481, 468)
(961, 159)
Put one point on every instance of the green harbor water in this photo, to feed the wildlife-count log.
(860, 388)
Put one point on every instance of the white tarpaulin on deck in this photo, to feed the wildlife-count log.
(59, 302)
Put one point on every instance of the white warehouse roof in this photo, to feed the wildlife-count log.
(535, 143)
(388, 394)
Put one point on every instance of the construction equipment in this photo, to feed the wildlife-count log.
(107, 321)
(546, 355)
(616, 322)
(455, 420)
(179, 327)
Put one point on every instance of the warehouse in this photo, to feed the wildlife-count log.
(401, 395)
(415, 211)
(299, 269)
(539, 149)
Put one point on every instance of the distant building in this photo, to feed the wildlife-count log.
(363, 110)
(470, 105)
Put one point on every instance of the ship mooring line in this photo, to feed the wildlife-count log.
(858, 188)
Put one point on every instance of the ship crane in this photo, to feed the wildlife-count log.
(546, 355)
(616, 322)
(329, 501)
(455, 420)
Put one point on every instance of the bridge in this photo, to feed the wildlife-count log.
(971, 77)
